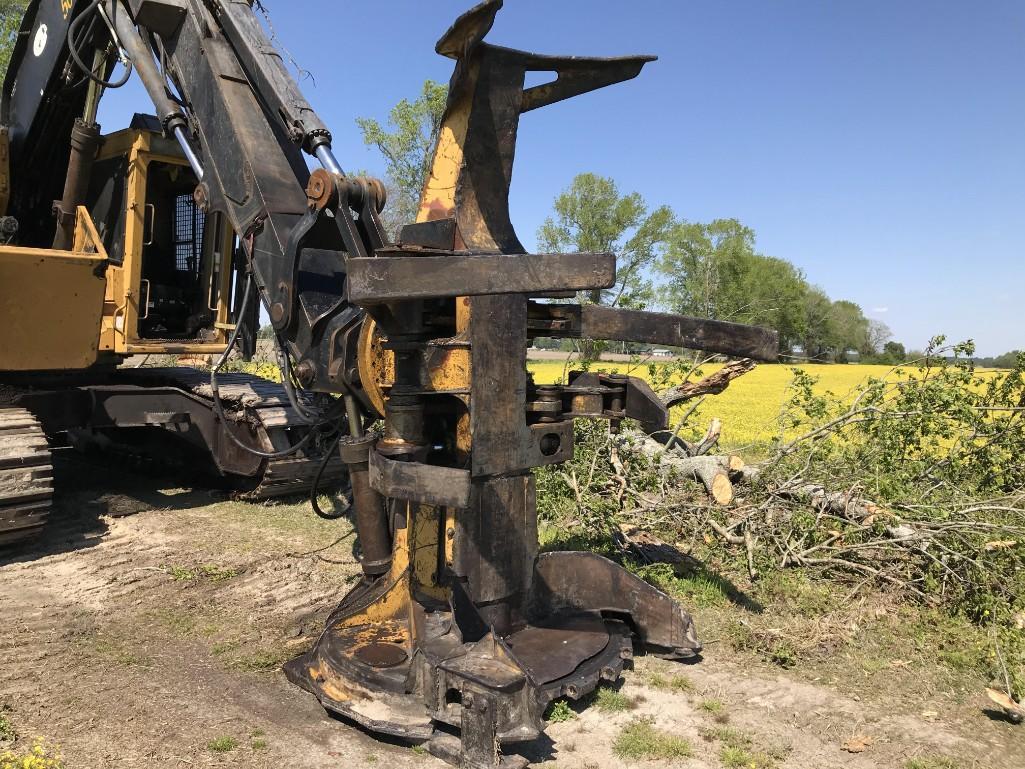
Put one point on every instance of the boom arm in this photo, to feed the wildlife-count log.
(223, 88)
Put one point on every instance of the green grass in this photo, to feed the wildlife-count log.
(672, 683)
(182, 624)
(257, 739)
(181, 574)
(931, 762)
(698, 590)
(419, 750)
(739, 758)
(771, 645)
(728, 736)
(210, 571)
(560, 711)
(713, 706)
(223, 744)
(641, 741)
(736, 749)
(113, 650)
(262, 660)
(216, 573)
(796, 592)
(609, 700)
(221, 648)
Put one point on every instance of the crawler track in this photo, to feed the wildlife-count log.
(265, 406)
(26, 476)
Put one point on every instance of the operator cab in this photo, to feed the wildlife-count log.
(173, 268)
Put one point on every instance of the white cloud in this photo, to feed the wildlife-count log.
(880, 310)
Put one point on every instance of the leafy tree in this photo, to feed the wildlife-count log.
(408, 148)
(705, 265)
(592, 216)
(774, 291)
(1009, 359)
(849, 328)
(11, 12)
(895, 352)
(819, 336)
(713, 271)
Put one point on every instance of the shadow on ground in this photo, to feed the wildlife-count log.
(88, 490)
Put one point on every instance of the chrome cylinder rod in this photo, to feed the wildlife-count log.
(328, 160)
(190, 154)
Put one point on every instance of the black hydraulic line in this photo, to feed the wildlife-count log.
(315, 488)
(73, 49)
(219, 409)
(285, 365)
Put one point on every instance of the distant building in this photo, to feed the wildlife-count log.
(662, 353)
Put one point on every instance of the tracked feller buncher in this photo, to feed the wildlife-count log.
(106, 255)
(460, 632)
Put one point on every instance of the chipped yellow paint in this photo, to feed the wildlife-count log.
(450, 536)
(332, 687)
(438, 200)
(446, 368)
(396, 603)
(376, 364)
(427, 528)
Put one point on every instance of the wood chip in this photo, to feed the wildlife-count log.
(857, 744)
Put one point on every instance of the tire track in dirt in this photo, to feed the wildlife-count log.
(89, 664)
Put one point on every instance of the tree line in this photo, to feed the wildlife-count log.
(709, 270)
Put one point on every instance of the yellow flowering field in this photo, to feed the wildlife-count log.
(750, 406)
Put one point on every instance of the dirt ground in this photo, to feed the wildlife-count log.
(147, 629)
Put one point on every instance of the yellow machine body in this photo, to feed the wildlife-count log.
(52, 303)
(71, 310)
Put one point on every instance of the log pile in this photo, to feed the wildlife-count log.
(694, 461)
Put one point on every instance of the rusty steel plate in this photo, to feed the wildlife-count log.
(381, 654)
(557, 646)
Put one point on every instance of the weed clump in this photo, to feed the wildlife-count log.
(609, 700)
(7, 731)
(712, 706)
(209, 571)
(223, 744)
(739, 758)
(560, 711)
(640, 740)
(931, 762)
(672, 683)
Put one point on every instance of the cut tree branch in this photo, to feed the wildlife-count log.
(713, 384)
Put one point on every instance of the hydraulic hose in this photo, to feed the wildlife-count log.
(73, 49)
(219, 408)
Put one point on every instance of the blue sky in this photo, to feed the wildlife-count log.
(878, 145)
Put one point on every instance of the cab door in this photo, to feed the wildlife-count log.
(171, 281)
